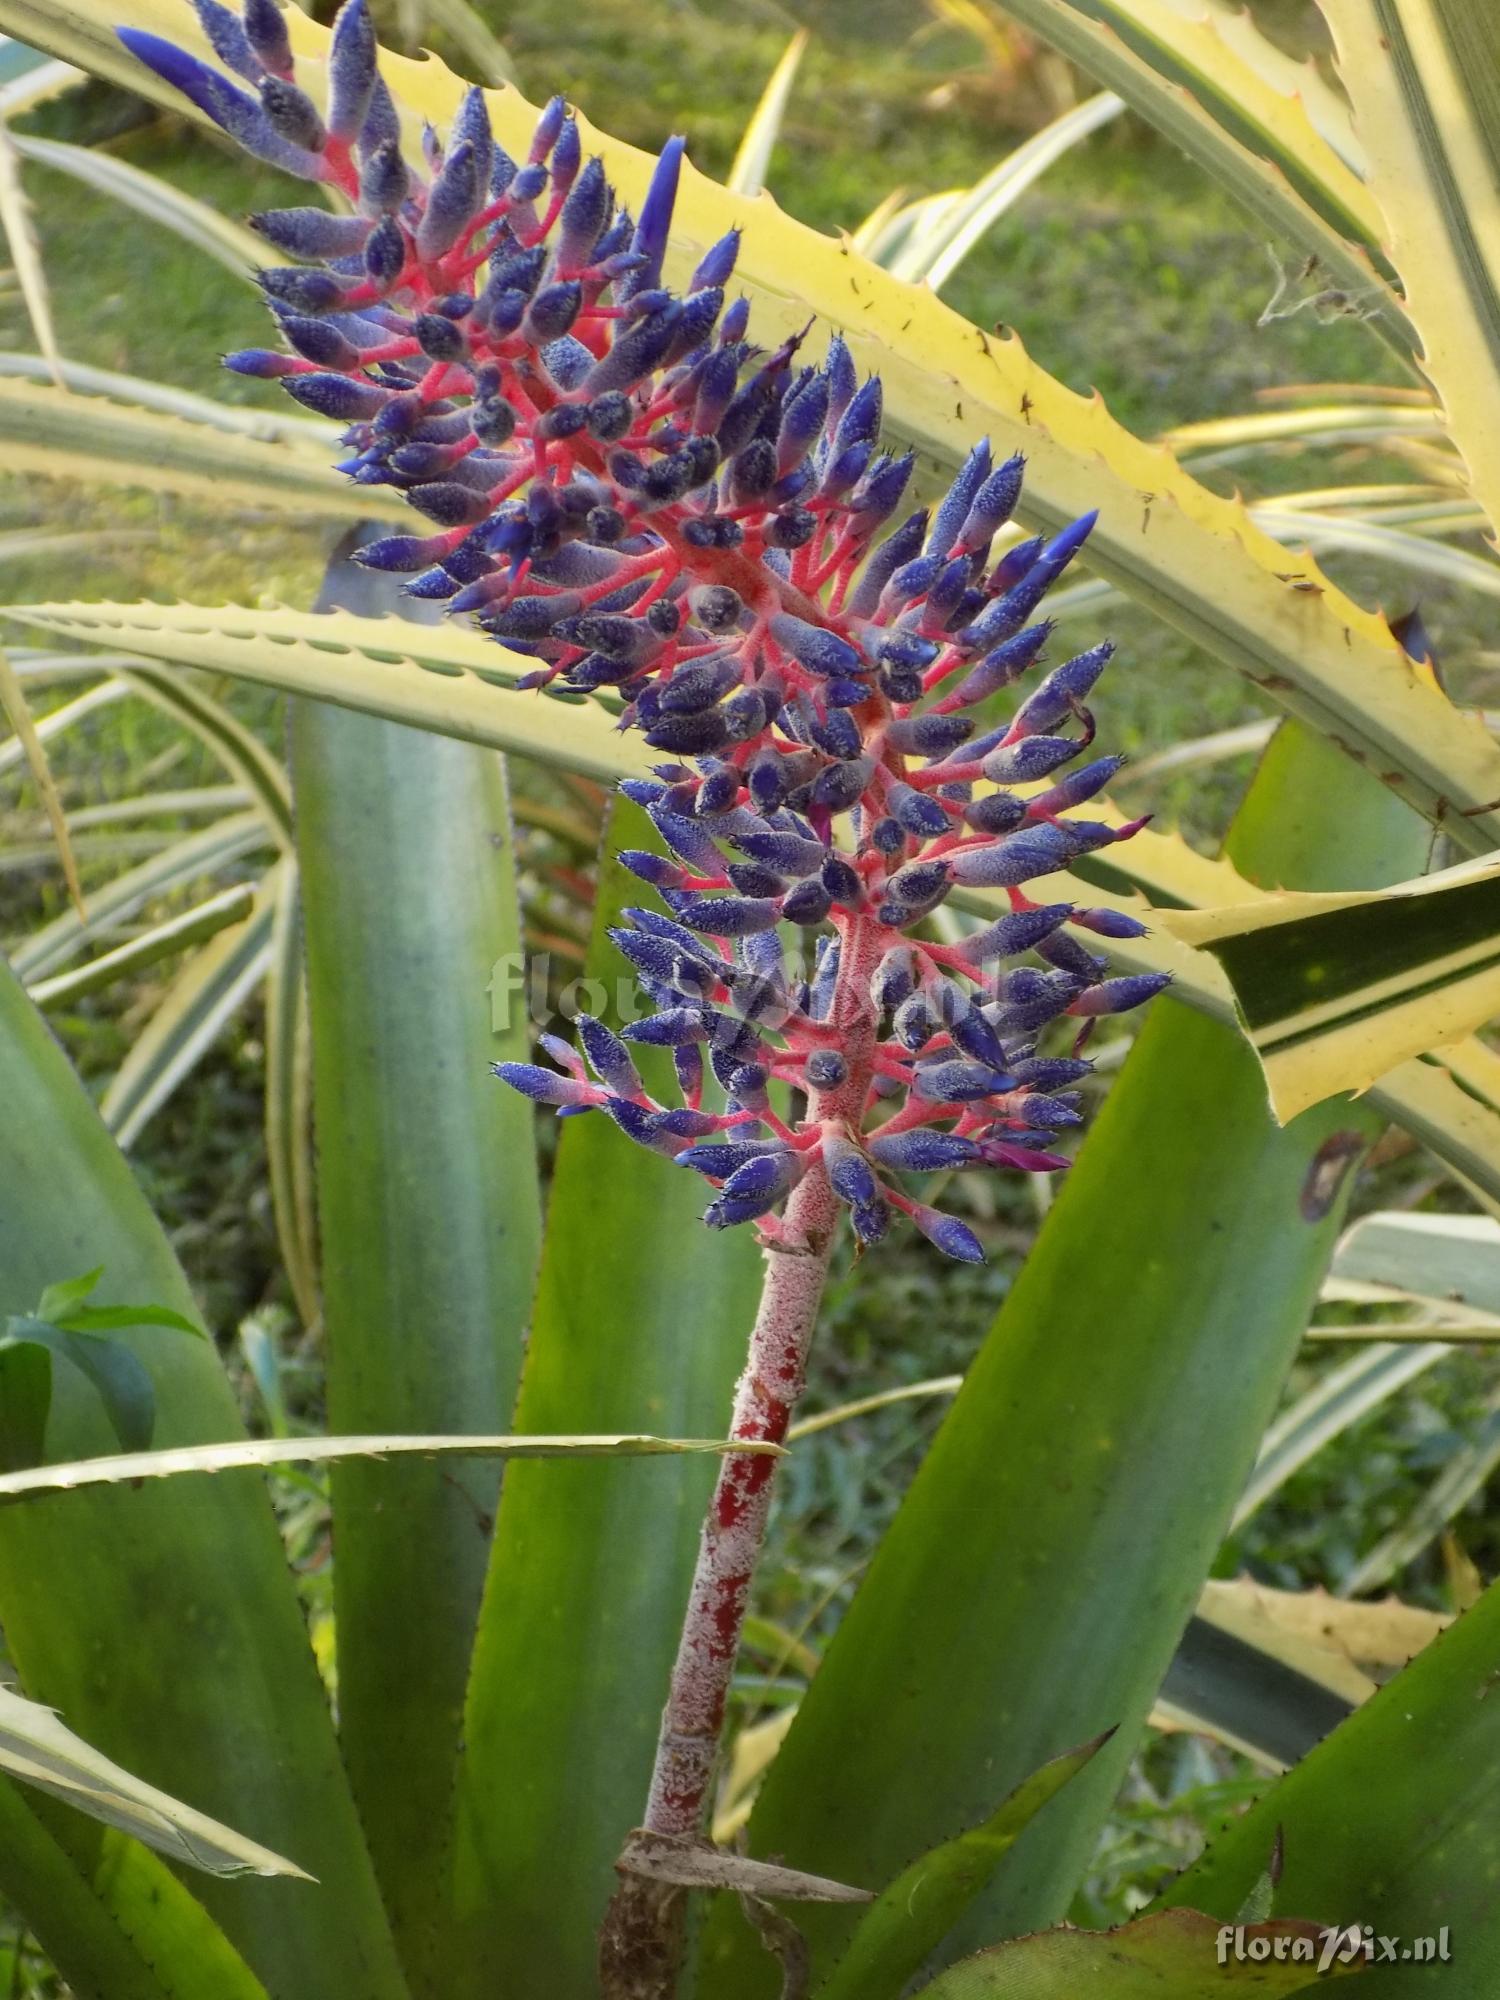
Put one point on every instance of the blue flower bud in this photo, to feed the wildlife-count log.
(928, 735)
(922, 1151)
(954, 1238)
(1020, 857)
(228, 40)
(311, 232)
(292, 114)
(849, 1172)
(265, 31)
(1021, 931)
(894, 979)
(304, 291)
(1116, 996)
(1062, 692)
(730, 916)
(769, 1175)
(352, 58)
(809, 903)
(993, 505)
(1002, 666)
(954, 508)
(841, 376)
(337, 396)
(544, 1085)
(995, 812)
(452, 201)
(871, 1221)
(839, 786)
(1032, 758)
(651, 231)
(1110, 923)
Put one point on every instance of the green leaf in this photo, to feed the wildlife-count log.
(431, 1221)
(83, 1935)
(195, 926)
(917, 1911)
(119, 1379)
(59, 1300)
(239, 1727)
(1391, 1820)
(201, 1000)
(25, 1399)
(1336, 990)
(641, 1319)
(1454, 1258)
(1170, 1955)
(1179, 1296)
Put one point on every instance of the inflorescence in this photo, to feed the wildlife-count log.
(623, 487)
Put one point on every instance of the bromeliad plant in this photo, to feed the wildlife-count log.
(627, 488)
(691, 536)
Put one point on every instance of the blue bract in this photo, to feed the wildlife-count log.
(620, 485)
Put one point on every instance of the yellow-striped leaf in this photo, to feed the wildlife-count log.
(1335, 990)
(1424, 77)
(38, 1747)
(1189, 556)
(102, 443)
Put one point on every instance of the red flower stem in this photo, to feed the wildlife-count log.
(734, 1529)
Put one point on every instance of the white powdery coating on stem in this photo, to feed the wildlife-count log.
(765, 1399)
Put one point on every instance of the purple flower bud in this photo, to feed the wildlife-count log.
(265, 31)
(352, 58)
(993, 505)
(730, 916)
(816, 648)
(1022, 931)
(825, 1069)
(787, 853)
(304, 291)
(1063, 691)
(719, 1161)
(650, 239)
(449, 504)
(809, 903)
(337, 396)
(947, 1080)
(1110, 923)
(995, 812)
(952, 1237)
(839, 786)
(584, 215)
(959, 499)
(608, 1057)
(544, 1085)
(871, 1220)
(1000, 667)
(894, 978)
(635, 353)
(841, 376)
(311, 232)
(922, 1151)
(1032, 758)
(452, 200)
(928, 735)
(849, 1172)
(1117, 996)
(292, 114)
(1018, 858)
(769, 1175)
(227, 38)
